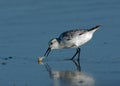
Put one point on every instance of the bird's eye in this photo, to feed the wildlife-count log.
(51, 43)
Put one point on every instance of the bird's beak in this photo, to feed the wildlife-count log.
(47, 52)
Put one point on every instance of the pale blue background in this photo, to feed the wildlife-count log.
(26, 26)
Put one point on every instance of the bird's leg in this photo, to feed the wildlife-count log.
(77, 51)
(78, 54)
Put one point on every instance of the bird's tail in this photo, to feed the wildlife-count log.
(94, 28)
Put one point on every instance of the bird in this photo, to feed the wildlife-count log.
(71, 39)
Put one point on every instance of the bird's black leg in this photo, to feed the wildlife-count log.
(77, 52)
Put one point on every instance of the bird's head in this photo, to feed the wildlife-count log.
(53, 44)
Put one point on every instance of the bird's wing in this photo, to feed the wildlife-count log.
(69, 35)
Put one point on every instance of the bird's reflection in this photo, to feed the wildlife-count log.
(71, 77)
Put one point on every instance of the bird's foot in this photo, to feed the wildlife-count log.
(69, 59)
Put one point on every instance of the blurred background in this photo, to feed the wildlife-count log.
(26, 26)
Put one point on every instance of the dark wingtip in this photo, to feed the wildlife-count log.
(97, 26)
(94, 27)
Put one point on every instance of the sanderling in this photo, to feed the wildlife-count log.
(71, 39)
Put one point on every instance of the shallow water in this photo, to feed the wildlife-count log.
(26, 26)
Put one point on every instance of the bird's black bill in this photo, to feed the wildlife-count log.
(47, 52)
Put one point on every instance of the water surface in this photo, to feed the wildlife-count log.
(26, 26)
